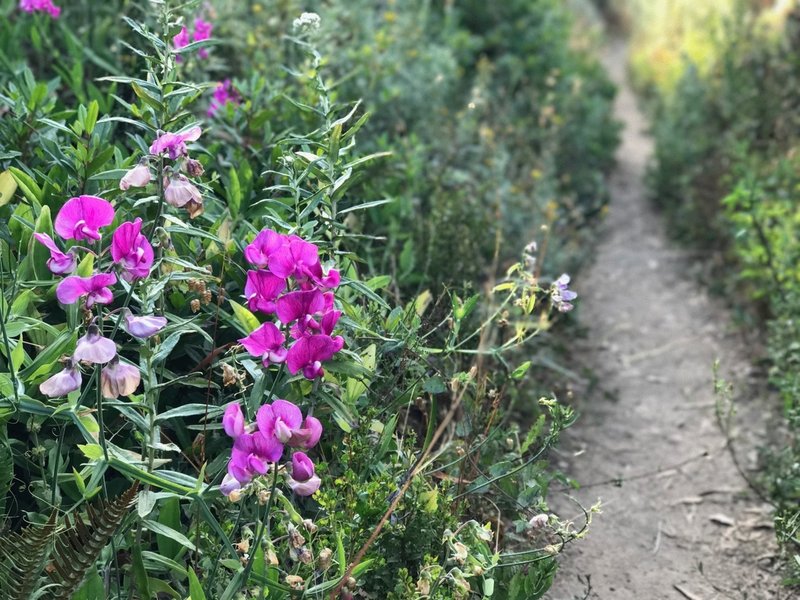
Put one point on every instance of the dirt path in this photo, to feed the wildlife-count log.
(683, 524)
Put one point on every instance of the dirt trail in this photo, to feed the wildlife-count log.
(683, 524)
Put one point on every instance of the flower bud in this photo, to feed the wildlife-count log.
(194, 168)
(138, 176)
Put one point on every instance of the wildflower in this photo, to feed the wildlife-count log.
(59, 262)
(233, 420)
(223, 94)
(131, 250)
(308, 353)
(251, 455)
(262, 289)
(94, 348)
(95, 288)
(194, 168)
(561, 296)
(265, 244)
(119, 379)
(300, 304)
(80, 218)
(62, 383)
(143, 327)
(202, 31)
(299, 258)
(284, 421)
(180, 192)
(304, 481)
(181, 39)
(229, 485)
(307, 22)
(175, 143)
(538, 521)
(267, 343)
(31, 6)
(138, 176)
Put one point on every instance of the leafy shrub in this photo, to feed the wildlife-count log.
(220, 217)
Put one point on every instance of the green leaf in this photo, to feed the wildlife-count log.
(195, 589)
(169, 532)
(30, 189)
(520, 371)
(169, 515)
(246, 319)
(8, 185)
(234, 193)
(140, 573)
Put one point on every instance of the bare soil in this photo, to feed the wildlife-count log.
(679, 522)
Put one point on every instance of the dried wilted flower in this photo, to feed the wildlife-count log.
(295, 582)
(325, 558)
(243, 546)
(229, 375)
(538, 521)
(195, 305)
(296, 539)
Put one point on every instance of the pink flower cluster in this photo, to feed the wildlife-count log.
(31, 6)
(306, 309)
(224, 94)
(261, 444)
(178, 190)
(202, 31)
(81, 219)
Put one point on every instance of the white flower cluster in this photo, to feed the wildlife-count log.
(307, 22)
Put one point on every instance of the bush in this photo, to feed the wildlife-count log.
(259, 337)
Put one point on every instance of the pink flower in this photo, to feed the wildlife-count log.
(175, 143)
(262, 289)
(80, 218)
(145, 326)
(284, 421)
(233, 420)
(267, 343)
(309, 352)
(304, 481)
(179, 40)
(119, 379)
(131, 250)
(251, 455)
(95, 288)
(266, 243)
(63, 382)
(300, 304)
(180, 192)
(138, 176)
(94, 348)
(229, 485)
(223, 94)
(202, 31)
(59, 262)
(300, 259)
(30, 6)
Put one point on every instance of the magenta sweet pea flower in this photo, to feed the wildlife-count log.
(262, 289)
(175, 143)
(138, 176)
(284, 421)
(94, 348)
(80, 218)
(95, 288)
(131, 250)
(266, 342)
(233, 420)
(180, 39)
(223, 94)
(265, 244)
(304, 481)
(251, 455)
(300, 259)
(202, 31)
(59, 262)
(30, 6)
(62, 383)
(119, 379)
(309, 352)
(143, 327)
(301, 304)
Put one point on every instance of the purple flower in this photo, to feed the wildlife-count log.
(266, 243)
(138, 176)
(561, 296)
(95, 288)
(30, 6)
(182, 193)
(63, 382)
(304, 481)
(59, 262)
(202, 31)
(179, 40)
(131, 250)
(223, 94)
(175, 143)
(145, 326)
(262, 289)
(229, 485)
(300, 259)
(309, 352)
(251, 455)
(94, 348)
(284, 421)
(80, 218)
(266, 342)
(119, 379)
(233, 420)
(300, 304)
